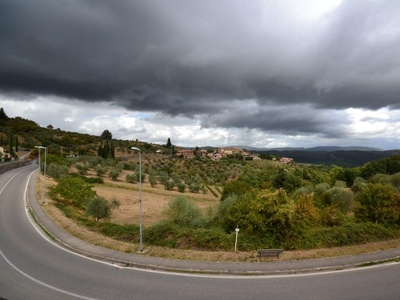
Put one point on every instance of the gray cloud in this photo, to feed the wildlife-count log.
(198, 58)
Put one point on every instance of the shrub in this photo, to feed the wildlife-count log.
(73, 190)
(235, 187)
(162, 234)
(129, 166)
(339, 196)
(57, 171)
(94, 180)
(395, 181)
(114, 173)
(306, 190)
(378, 203)
(332, 216)
(194, 187)
(306, 213)
(321, 188)
(100, 170)
(349, 233)
(119, 167)
(182, 212)
(358, 184)
(127, 232)
(340, 184)
(169, 185)
(213, 239)
(82, 169)
(99, 208)
(181, 187)
(153, 180)
(163, 177)
(131, 178)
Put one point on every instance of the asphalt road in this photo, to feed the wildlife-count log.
(33, 267)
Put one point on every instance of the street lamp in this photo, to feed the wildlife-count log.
(44, 170)
(140, 199)
(39, 156)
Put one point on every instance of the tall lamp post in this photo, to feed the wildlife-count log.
(44, 170)
(140, 199)
(39, 157)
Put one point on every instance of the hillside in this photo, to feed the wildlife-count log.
(343, 158)
(26, 134)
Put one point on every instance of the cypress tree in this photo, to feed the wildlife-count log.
(112, 153)
(3, 115)
(100, 151)
(169, 143)
(11, 144)
(106, 150)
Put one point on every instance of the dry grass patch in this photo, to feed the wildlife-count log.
(153, 204)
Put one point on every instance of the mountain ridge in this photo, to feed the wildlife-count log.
(310, 149)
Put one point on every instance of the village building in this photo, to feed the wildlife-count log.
(186, 154)
(286, 160)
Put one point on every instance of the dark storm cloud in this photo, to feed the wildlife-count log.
(194, 57)
(293, 120)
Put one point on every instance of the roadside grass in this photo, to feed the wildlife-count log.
(64, 218)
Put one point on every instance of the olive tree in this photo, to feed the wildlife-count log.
(100, 208)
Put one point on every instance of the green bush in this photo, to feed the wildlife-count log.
(358, 184)
(350, 233)
(214, 239)
(181, 187)
(184, 213)
(153, 180)
(82, 169)
(131, 178)
(169, 185)
(127, 232)
(321, 188)
(378, 203)
(235, 187)
(57, 171)
(129, 166)
(162, 234)
(114, 173)
(72, 190)
(194, 187)
(100, 170)
(99, 208)
(339, 196)
(163, 177)
(94, 179)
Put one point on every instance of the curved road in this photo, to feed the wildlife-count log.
(32, 267)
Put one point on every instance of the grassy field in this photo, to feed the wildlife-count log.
(154, 201)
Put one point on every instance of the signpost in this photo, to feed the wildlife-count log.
(237, 232)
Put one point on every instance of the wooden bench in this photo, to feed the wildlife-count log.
(270, 252)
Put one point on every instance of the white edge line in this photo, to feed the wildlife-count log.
(23, 273)
(221, 276)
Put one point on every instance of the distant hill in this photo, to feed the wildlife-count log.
(351, 156)
(343, 158)
(29, 134)
(312, 149)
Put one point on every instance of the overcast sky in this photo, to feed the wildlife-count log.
(260, 73)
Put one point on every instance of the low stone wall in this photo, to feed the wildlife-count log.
(5, 167)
